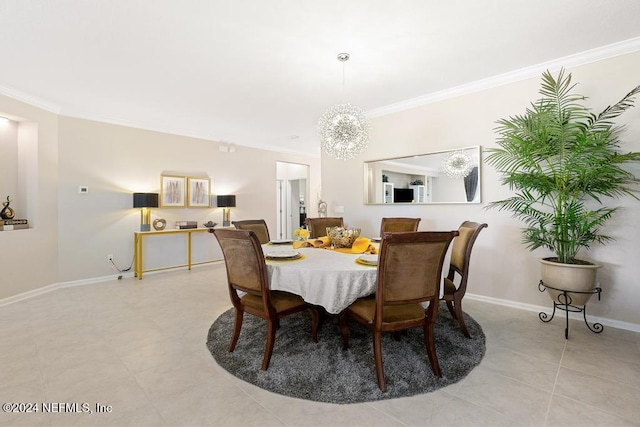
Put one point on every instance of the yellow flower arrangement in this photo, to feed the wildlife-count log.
(301, 233)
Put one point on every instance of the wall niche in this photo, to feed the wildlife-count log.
(19, 166)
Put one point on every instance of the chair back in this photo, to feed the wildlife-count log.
(258, 226)
(410, 267)
(461, 251)
(244, 260)
(395, 225)
(318, 226)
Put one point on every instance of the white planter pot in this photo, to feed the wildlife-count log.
(570, 277)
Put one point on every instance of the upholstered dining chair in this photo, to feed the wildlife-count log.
(395, 225)
(459, 270)
(318, 226)
(258, 226)
(409, 274)
(247, 272)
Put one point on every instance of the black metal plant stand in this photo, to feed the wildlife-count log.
(567, 306)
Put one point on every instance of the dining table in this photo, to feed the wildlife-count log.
(326, 277)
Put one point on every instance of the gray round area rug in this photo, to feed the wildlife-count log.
(324, 372)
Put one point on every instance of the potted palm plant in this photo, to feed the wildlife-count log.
(564, 162)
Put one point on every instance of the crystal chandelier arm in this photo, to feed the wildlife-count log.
(343, 128)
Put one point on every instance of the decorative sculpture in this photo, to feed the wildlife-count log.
(7, 212)
(322, 208)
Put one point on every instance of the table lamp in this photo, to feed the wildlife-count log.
(226, 202)
(145, 201)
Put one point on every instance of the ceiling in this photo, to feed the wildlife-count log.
(260, 73)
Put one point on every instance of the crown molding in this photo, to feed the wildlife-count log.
(582, 58)
(29, 99)
(189, 133)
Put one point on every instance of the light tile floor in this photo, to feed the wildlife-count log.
(139, 346)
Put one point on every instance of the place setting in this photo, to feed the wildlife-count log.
(370, 260)
(283, 255)
(278, 242)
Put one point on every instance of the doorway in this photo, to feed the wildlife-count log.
(292, 182)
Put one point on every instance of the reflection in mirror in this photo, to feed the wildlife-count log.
(451, 176)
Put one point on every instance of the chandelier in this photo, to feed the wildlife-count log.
(457, 165)
(343, 129)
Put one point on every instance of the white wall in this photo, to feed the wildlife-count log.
(29, 257)
(73, 233)
(8, 160)
(115, 161)
(501, 267)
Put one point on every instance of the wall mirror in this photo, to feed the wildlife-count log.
(451, 176)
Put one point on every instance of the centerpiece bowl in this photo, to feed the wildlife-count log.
(340, 237)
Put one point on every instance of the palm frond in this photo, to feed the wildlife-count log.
(557, 155)
(604, 119)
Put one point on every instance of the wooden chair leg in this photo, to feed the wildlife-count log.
(344, 330)
(237, 325)
(451, 310)
(460, 318)
(315, 321)
(377, 355)
(430, 345)
(268, 348)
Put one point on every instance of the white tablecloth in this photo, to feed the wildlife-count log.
(324, 277)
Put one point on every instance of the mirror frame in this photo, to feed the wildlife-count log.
(371, 176)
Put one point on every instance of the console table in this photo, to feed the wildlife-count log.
(138, 247)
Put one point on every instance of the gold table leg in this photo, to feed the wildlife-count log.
(137, 256)
(189, 251)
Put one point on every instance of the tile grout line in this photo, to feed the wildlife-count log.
(555, 382)
(383, 412)
(132, 374)
(41, 378)
(257, 402)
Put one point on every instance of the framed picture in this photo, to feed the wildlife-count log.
(198, 192)
(173, 191)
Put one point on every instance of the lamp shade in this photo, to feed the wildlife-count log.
(145, 200)
(226, 201)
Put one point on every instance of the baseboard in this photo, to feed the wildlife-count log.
(50, 288)
(548, 309)
(91, 281)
